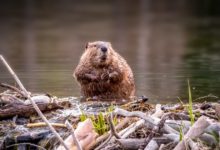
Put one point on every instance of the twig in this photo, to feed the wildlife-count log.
(42, 124)
(76, 141)
(14, 99)
(131, 128)
(12, 88)
(32, 102)
(104, 143)
(139, 114)
(112, 127)
(156, 129)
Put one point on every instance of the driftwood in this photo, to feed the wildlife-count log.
(152, 145)
(146, 119)
(195, 131)
(19, 109)
(135, 143)
(130, 144)
(26, 137)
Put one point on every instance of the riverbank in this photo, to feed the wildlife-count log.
(134, 125)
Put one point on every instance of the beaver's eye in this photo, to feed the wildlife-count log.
(87, 45)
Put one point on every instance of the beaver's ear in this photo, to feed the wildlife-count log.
(87, 45)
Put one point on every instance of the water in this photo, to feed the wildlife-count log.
(164, 43)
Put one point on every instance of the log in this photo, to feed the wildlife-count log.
(33, 137)
(145, 119)
(152, 145)
(130, 144)
(208, 139)
(23, 110)
(176, 124)
(132, 128)
(195, 131)
(192, 144)
(136, 143)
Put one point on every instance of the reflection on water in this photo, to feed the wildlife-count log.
(165, 43)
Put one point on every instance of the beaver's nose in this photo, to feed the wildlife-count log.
(104, 49)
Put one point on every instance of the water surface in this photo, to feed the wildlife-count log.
(164, 43)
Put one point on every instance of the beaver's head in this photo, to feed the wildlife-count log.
(99, 53)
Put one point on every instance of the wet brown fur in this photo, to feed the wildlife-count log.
(109, 78)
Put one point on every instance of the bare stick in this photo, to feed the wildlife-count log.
(104, 143)
(4, 85)
(32, 102)
(150, 121)
(112, 127)
(76, 141)
(42, 124)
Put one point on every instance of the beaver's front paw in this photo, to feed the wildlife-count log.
(91, 77)
(114, 76)
(104, 77)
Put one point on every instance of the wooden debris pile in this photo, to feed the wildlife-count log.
(152, 128)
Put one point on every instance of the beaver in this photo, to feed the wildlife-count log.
(103, 73)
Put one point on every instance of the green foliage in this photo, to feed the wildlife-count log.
(190, 106)
(181, 135)
(83, 116)
(215, 135)
(100, 124)
(100, 121)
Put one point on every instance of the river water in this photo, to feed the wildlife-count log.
(165, 43)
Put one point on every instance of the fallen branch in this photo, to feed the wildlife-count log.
(4, 85)
(156, 130)
(29, 137)
(195, 131)
(146, 119)
(13, 109)
(130, 144)
(152, 145)
(136, 143)
(112, 127)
